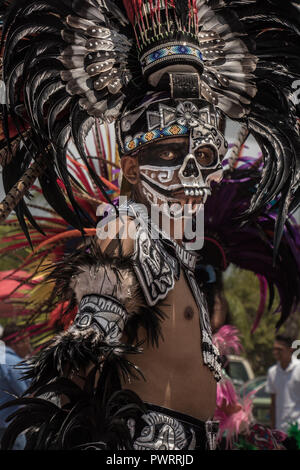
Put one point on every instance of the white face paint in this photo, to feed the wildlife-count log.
(161, 177)
(196, 166)
(182, 154)
(177, 165)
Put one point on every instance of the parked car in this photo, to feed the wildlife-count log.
(239, 370)
(261, 399)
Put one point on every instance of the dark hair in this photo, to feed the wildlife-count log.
(287, 340)
(10, 333)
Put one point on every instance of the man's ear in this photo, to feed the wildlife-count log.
(130, 168)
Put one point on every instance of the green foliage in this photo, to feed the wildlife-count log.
(8, 261)
(294, 432)
(243, 295)
(242, 444)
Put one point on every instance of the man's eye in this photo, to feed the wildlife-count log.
(167, 155)
(205, 157)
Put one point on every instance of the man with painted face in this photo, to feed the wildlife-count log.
(166, 172)
(169, 74)
(170, 171)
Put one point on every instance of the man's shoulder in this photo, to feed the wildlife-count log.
(272, 370)
(115, 232)
(13, 356)
(11, 359)
(296, 367)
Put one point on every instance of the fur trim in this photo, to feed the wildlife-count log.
(89, 270)
(73, 350)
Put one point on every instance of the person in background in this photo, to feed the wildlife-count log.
(17, 348)
(283, 383)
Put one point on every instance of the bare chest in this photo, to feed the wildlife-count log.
(176, 376)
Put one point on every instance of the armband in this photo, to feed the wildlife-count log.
(103, 313)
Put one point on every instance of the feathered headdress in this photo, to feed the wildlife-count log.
(69, 62)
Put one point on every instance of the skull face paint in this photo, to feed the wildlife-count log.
(180, 150)
(202, 165)
(174, 170)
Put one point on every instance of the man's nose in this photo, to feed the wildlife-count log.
(190, 168)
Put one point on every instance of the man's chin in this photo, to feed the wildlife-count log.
(183, 208)
(178, 205)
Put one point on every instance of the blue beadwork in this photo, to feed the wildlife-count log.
(171, 51)
(170, 131)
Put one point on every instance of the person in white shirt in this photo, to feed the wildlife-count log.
(283, 383)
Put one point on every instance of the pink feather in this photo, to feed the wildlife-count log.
(227, 340)
(234, 414)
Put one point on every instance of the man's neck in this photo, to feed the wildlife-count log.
(170, 227)
(284, 364)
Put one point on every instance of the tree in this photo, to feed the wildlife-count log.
(243, 295)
